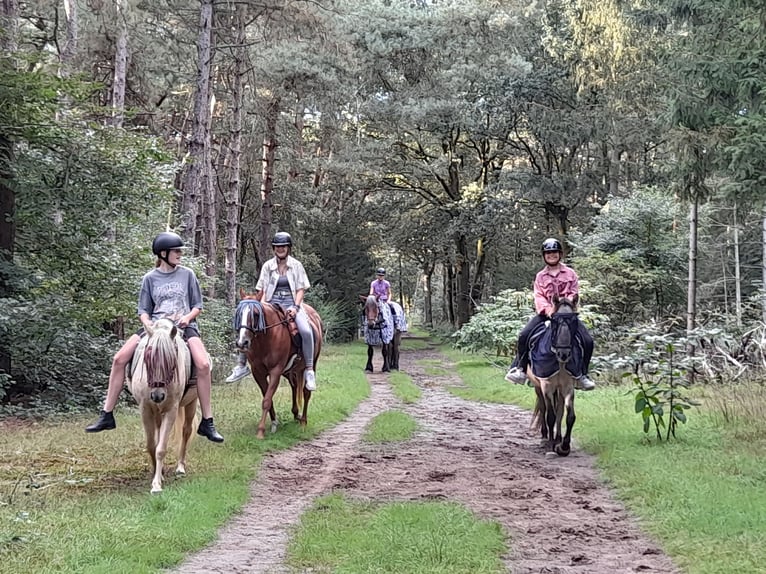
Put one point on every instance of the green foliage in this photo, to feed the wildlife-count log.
(496, 325)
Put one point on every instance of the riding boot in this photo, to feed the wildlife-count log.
(207, 429)
(105, 422)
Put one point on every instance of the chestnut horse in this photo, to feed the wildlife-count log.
(556, 391)
(264, 335)
(160, 375)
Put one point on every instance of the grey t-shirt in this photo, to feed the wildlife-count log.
(169, 295)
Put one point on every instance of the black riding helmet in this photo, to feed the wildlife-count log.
(166, 241)
(380, 271)
(552, 245)
(282, 238)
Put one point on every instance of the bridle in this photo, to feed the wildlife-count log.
(247, 306)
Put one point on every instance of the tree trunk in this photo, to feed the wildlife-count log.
(70, 45)
(428, 316)
(120, 67)
(267, 177)
(463, 282)
(192, 181)
(449, 293)
(737, 272)
(209, 239)
(691, 305)
(232, 198)
(477, 285)
(763, 263)
(9, 13)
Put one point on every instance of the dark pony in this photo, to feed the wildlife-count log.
(379, 330)
(160, 384)
(555, 392)
(266, 336)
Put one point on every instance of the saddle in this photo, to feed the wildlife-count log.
(542, 357)
(292, 328)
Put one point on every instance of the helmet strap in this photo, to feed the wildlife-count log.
(165, 259)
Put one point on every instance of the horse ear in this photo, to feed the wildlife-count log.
(242, 293)
(576, 300)
(149, 329)
(555, 299)
(363, 297)
(173, 332)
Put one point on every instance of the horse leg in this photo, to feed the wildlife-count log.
(166, 425)
(263, 383)
(550, 419)
(304, 417)
(295, 388)
(395, 350)
(186, 411)
(564, 448)
(370, 350)
(539, 415)
(267, 406)
(386, 351)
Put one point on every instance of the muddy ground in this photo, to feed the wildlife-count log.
(559, 516)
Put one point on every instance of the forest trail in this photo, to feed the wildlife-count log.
(559, 516)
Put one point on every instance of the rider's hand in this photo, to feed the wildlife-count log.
(292, 312)
(183, 322)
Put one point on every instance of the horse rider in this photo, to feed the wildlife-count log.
(381, 288)
(172, 291)
(555, 278)
(283, 281)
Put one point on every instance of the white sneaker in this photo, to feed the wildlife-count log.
(239, 372)
(311, 381)
(516, 375)
(585, 383)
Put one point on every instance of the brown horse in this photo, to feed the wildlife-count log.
(159, 380)
(555, 393)
(264, 334)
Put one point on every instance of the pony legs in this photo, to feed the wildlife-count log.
(267, 406)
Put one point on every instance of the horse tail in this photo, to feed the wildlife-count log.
(298, 393)
(177, 432)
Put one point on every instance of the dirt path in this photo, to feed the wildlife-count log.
(558, 514)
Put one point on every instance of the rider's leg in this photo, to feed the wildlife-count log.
(240, 370)
(584, 382)
(116, 381)
(518, 371)
(307, 338)
(201, 361)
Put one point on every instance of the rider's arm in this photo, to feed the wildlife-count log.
(542, 304)
(146, 320)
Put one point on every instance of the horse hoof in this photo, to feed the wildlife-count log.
(273, 427)
(562, 451)
(180, 471)
(156, 489)
(260, 435)
(551, 454)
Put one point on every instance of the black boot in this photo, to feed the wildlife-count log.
(207, 429)
(105, 422)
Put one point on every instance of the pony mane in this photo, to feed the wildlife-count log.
(161, 357)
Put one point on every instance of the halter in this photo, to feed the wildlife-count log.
(380, 321)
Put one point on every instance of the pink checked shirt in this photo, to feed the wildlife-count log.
(564, 284)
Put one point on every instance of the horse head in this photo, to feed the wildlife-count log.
(371, 311)
(563, 325)
(248, 321)
(160, 357)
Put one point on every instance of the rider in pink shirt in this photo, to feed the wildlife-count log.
(554, 279)
(380, 287)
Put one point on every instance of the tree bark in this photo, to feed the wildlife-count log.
(192, 182)
(234, 158)
(267, 177)
(463, 281)
(737, 272)
(9, 23)
(70, 45)
(691, 305)
(120, 67)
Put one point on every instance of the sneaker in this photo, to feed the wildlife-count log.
(584, 383)
(516, 375)
(311, 381)
(207, 429)
(105, 422)
(239, 372)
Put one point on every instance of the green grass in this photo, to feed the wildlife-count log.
(390, 426)
(702, 496)
(404, 388)
(72, 502)
(351, 537)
